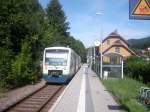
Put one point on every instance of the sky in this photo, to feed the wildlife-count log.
(88, 27)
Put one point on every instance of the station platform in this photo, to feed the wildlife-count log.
(85, 93)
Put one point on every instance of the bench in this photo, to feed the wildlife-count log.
(145, 95)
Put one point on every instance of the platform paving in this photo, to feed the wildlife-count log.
(101, 98)
(69, 99)
(85, 93)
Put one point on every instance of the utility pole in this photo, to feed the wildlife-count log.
(101, 53)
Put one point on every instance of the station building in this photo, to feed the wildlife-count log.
(114, 48)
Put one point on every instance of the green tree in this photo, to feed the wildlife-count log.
(58, 28)
(57, 18)
(25, 30)
(78, 47)
(20, 21)
(22, 67)
(5, 66)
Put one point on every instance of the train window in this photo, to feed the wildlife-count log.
(56, 61)
(56, 57)
(56, 51)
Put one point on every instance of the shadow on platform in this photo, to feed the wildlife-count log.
(115, 107)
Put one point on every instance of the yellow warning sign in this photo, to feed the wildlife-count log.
(142, 8)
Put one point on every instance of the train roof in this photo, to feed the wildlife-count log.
(66, 48)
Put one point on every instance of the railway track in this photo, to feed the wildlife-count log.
(40, 101)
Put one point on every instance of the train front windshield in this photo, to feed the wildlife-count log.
(56, 57)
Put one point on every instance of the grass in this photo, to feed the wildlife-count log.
(126, 92)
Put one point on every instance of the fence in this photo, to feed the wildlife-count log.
(113, 70)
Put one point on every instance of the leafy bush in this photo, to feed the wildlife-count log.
(22, 67)
(138, 68)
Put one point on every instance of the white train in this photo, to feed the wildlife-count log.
(60, 64)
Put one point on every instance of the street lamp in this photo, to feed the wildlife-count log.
(101, 62)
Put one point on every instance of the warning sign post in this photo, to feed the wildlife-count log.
(139, 9)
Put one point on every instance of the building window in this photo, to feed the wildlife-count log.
(108, 42)
(117, 50)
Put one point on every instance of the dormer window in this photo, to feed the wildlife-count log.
(108, 42)
(117, 50)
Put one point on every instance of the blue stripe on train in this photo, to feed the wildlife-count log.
(61, 79)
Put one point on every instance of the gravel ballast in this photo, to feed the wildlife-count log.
(14, 96)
